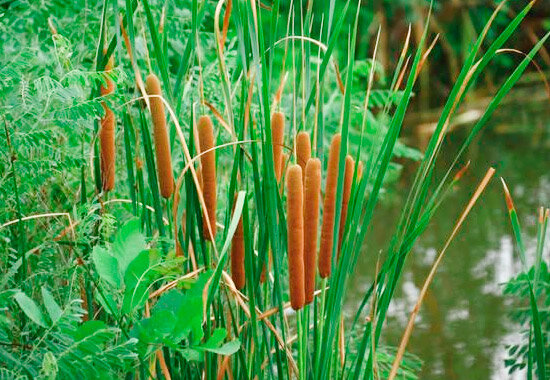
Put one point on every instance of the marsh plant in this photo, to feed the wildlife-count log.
(187, 187)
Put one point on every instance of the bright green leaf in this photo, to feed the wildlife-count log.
(30, 309)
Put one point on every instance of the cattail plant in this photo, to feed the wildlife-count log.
(208, 171)
(107, 135)
(329, 206)
(237, 255)
(312, 195)
(107, 153)
(295, 225)
(277, 140)
(303, 151)
(160, 135)
(348, 179)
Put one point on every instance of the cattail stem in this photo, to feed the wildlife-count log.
(303, 151)
(329, 208)
(348, 179)
(277, 140)
(160, 135)
(208, 166)
(295, 226)
(312, 194)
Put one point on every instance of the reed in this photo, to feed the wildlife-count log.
(160, 136)
(329, 206)
(295, 231)
(208, 171)
(312, 197)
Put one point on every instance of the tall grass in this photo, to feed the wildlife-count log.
(264, 88)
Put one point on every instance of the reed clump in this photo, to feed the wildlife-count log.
(329, 208)
(160, 136)
(312, 197)
(208, 171)
(295, 230)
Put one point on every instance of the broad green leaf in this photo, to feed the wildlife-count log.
(106, 266)
(137, 279)
(155, 330)
(53, 309)
(88, 328)
(30, 308)
(216, 339)
(227, 349)
(129, 242)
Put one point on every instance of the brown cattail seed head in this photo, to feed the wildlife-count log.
(160, 135)
(329, 207)
(312, 196)
(295, 231)
(348, 179)
(208, 166)
(277, 140)
(303, 150)
(107, 144)
(237, 256)
(359, 171)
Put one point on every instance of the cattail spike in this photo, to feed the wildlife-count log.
(329, 208)
(348, 179)
(277, 140)
(312, 195)
(237, 256)
(160, 135)
(107, 152)
(303, 151)
(295, 226)
(208, 165)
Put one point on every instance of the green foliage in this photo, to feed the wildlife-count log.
(178, 316)
(152, 287)
(61, 345)
(517, 290)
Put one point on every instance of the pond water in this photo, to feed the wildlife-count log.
(463, 329)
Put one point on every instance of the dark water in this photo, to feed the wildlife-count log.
(463, 327)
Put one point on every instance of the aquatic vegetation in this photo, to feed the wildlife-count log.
(199, 258)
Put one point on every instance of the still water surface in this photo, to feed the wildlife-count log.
(463, 329)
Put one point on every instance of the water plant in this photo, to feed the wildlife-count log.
(218, 279)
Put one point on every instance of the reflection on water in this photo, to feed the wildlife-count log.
(462, 329)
